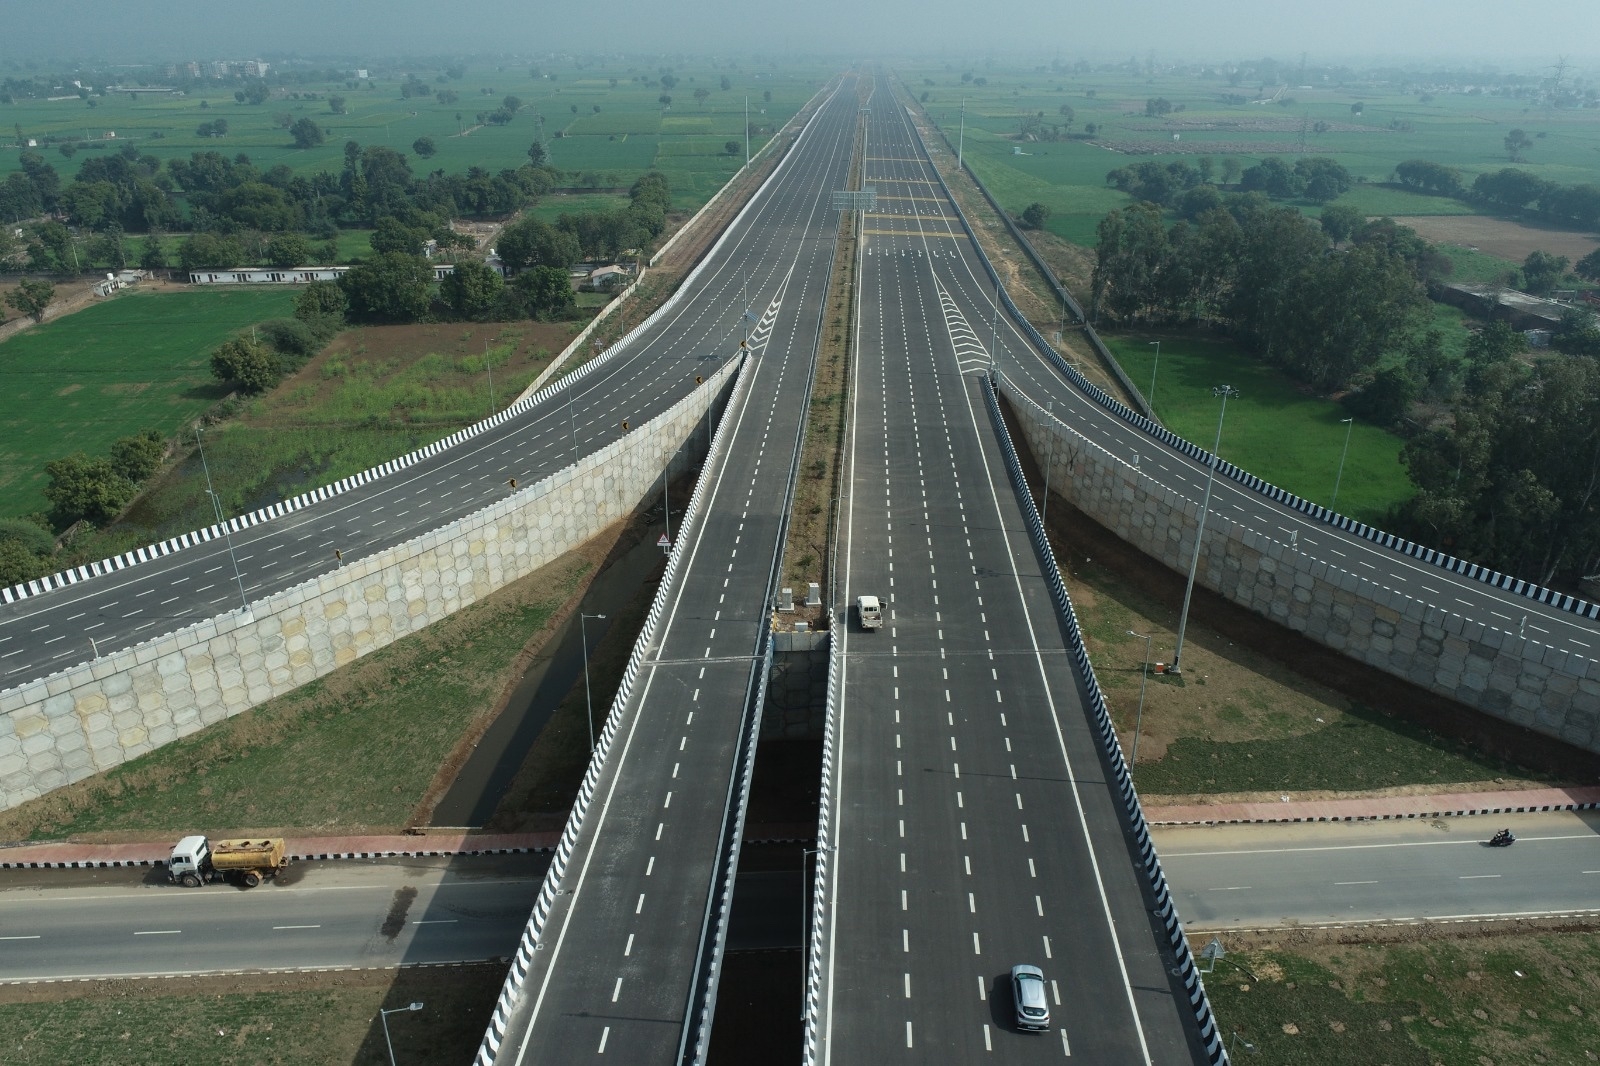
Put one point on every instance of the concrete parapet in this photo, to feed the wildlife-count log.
(1492, 670)
(103, 713)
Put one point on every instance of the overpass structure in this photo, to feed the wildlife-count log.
(622, 952)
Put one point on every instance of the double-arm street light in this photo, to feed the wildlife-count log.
(1223, 391)
(1139, 718)
(1350, 425)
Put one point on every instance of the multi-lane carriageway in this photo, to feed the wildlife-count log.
(974, 828)
(617, 970)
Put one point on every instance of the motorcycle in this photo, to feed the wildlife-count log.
(1502, 839)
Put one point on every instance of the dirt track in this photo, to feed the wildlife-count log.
(1501, 237)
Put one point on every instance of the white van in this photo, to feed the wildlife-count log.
(869, 612)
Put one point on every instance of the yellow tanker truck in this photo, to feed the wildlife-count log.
(197, 861)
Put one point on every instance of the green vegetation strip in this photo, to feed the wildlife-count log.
(1494, 1001)
(1274, 429)
(285, 1019)
(138, 361)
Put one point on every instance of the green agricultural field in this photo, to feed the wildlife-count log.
(138, 361)
(629, 134)
(1069, 176)
(1273, 429)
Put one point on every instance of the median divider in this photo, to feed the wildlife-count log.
(1165, 910)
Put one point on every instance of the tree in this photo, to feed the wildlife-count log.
(336, 104)
(202, 250)
(1068, 115)
(471, 290)
(534, 242)
(18, 564)
(83, 488)
(31, 297)
(1340, 221)
(664, 100)
(1157, 106)
(726, 83)
(701, 95)
(393, 286)
(424, 147)
(1588, 268)
(306, 133)
(286, 250)
(154, 255)
(139, 456)
(1035, 215)
(1542, 272)
(1516, 143)
(251, 365)
(320, 300)
(537, 154)
(731, 147)
(544, 292)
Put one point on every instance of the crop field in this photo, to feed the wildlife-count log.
(1502, 238)
(630, 133)
(1273, 429)
(1458, 130)
(139, 361)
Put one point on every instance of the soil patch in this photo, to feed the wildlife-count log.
(1501, 237)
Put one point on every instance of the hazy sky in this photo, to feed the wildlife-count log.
(1487, 30)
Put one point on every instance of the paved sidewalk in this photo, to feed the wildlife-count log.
(1378, 808)
(42, 856)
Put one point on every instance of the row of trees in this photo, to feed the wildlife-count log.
(1507, 189)
(1268, 276)
(1188, 188)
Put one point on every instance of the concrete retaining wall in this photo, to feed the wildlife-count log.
(99, 715)
(1493, 670)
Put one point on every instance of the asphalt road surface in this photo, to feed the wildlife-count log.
(974, 825)
(620, 953)
(1251, 876)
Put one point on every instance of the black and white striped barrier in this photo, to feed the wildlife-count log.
(1165, 910)
(297, 856)
(824, 850)
(522, 961)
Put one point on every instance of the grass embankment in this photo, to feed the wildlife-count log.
(374, 393)
(354, 751)
(139, 361)
(1505, 1000)
(1274, 429)
(283, 1018)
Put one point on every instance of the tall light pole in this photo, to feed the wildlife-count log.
(384, 1016)
(961, 138)
(1224, 391)
(994, 327)
(1048, 464)
(1153, 368)
(227, 536)
(1350, 425)
(747, 131)
(588, 699)
(1139, 718)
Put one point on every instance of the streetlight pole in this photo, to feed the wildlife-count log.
(1224, 391)
(588, 699)
(1154, 367)
(227, 536)
(994, 328)
(961, 138)
(1139, 718)
(1044, 510)
(1350, 425)
(383, 1015)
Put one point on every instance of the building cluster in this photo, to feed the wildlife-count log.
(220, 68)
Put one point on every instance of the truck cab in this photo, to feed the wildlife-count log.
(869, 612)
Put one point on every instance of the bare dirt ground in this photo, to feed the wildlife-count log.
(1501, 237)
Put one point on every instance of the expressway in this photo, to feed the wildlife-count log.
(969, 286)
(618, 970)
(974, 825)
(652, 369)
